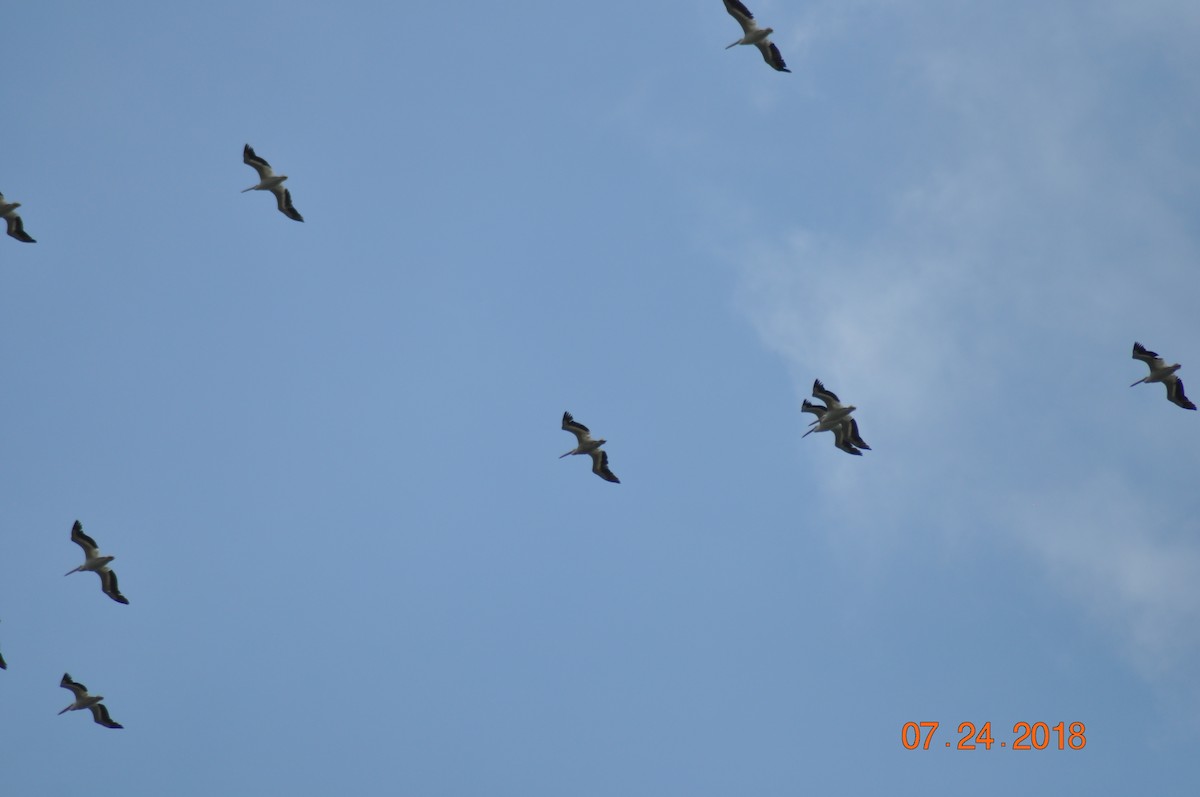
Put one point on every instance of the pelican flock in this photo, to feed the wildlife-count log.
(270, 181)
(588, 446)
(16, 227)
(1161, 372)
(94, 561)
(834, 416)
(84, 700)
(831, 415)
(759, 37)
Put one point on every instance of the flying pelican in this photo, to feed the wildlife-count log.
(1161, 372)
(589, 446)
(755, 35)
(84, 700)
(270, 181)
(845, 429)
(831, 415)
(95, 562)
(16, 227)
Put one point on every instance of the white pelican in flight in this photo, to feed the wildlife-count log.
(1161, 372)
(16, 227)
(755, 35)
(84, 700)
(589, 446)
(831, 415)
(270, 181)
(95, 562)
(834, 417)
(845, 430)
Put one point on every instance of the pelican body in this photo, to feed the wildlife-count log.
(1161, 372)
(753, 34)
(831, 415)
(96, 563)
(586, 445)
(834, 417)
(84, 700)
(268, 180)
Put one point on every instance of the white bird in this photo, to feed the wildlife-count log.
(270, 181)
(845, 430)
(84, 700)
(1161, 372)
(588, 446)
(96, 563)
(832, 414)
(755, 35)
(16, 227)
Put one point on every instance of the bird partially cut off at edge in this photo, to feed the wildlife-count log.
(16, 227)
(755, 35)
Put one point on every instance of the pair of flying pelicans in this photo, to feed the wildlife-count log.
(267, 181)
(832, 417)
(98, 564)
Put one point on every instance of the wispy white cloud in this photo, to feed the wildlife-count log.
(984, 320)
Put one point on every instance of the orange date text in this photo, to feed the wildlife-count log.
(1026, 736)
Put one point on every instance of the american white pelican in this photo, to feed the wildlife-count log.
(831, 414)
(755, 35)
(834, 417)
(845, 429)
(95, 562)
(270, 181)
(588, 446)
(16, 227)
(1161, 372)
(84, 700)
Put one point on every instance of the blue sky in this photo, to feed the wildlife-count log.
(325, 454)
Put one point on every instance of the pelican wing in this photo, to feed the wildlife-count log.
(842, 441)
(600, 466)
(815, 409)
(108, 583)
(742, 14)
(100, 715)
(1175, 393)
(828, 396)
(90, 549)
(3, 664)
(581, 432)
(261, 166)
(1150, 358)
(853, 436)
(77, 689)
(770, 54)
(16, 228)
(283, 198)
